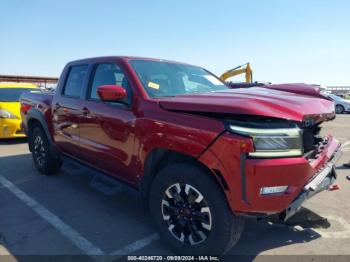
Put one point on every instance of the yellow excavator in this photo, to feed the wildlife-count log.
(242, 69)
(247, 70)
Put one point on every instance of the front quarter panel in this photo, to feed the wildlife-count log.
(183, 133)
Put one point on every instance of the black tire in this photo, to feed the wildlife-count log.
(225, 228)
(339, 109)
(45, 161)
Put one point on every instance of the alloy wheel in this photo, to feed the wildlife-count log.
(39, 150)
(186, 213)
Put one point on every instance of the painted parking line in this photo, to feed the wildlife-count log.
(135, 246)
(78, 240)
(344, 233)
(24, 180)
(346, 146)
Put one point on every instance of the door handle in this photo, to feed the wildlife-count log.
(85, 111)
(56, 107)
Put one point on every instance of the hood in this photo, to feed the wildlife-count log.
(254, 101)
(301, 89)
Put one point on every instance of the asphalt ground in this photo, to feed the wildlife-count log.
(63, 215)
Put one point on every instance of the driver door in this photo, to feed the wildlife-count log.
(107, 128)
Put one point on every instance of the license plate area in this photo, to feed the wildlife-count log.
(316, 181)
(326, 171)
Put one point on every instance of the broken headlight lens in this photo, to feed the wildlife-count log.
(274, 142)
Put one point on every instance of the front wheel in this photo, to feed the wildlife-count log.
(191, 212)
(44, 160)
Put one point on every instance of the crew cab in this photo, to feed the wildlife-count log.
(202, 155)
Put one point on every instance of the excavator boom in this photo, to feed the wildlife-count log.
(242, 69)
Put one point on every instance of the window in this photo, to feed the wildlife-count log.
(109, 74)
(162, 79)
(13, 94)
(75, 81)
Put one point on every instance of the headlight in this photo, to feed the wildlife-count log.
(7, 115)
(274, 142)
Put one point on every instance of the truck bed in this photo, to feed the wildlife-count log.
(36, 99)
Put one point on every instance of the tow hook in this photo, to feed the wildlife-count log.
(333, 187)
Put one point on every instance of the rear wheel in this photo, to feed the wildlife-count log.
(191, 212)
(45, 161)
(339, 109)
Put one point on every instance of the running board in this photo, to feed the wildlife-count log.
(105, 185)
(101, 182)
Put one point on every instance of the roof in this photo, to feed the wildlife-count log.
(16, 85)
(125, 58)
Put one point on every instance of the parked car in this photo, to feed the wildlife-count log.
(202, 155)
(341, 105)
(10, 117)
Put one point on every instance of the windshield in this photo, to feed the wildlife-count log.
(163, 79)
(334, 97)
(13, 94)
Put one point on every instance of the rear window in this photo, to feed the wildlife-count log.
(75, 81)
(13, 94)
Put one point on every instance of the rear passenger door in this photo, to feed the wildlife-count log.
(66, 111)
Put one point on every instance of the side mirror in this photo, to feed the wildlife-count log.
(111, 93)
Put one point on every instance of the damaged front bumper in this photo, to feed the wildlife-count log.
(321, 181)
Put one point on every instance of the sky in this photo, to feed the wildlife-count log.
(304, 41)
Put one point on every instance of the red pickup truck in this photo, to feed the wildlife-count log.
(203, 155)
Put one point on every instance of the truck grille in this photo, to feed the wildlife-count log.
(311, 138)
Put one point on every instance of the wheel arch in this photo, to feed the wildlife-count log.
(160, 158)
(36, 118)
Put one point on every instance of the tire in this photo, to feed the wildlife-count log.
(218, 230)
(339, 109)
(45, 161)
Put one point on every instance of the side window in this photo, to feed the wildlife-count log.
(75, 80)
(109, 74)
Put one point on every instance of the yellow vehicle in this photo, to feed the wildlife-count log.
(10, 118)
(242, 69)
